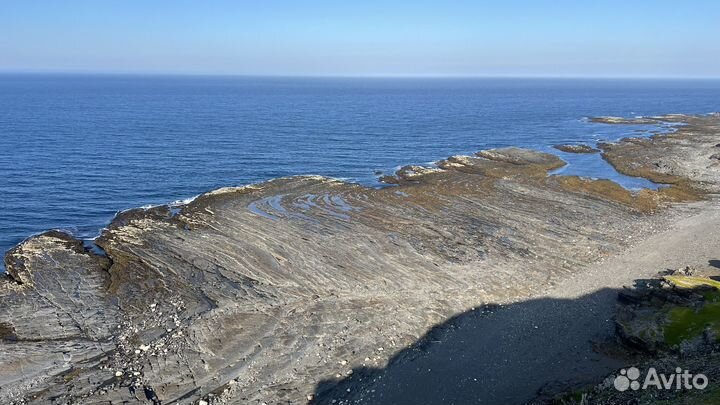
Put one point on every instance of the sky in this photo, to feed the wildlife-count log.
(365, 38)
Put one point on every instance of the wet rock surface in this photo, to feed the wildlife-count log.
(570, 148)
(691, 145)
(255, 294)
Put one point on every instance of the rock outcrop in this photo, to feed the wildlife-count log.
(569, 148)
(678, 313)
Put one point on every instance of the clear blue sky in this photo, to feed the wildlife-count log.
(464, 38)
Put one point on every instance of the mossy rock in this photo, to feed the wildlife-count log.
(686, 323)
(689, 323)
(683, 314)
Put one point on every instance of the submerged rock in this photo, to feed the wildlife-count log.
(569, 148)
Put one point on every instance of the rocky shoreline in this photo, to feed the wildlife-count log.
(256, 294)
(576, 148)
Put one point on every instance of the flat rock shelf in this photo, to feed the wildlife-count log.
(257, 294)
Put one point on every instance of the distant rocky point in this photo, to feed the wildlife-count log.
(570, 148)
(622, 120)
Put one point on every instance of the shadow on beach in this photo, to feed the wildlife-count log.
(494, 355)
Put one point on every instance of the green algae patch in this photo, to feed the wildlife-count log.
(687, 323)
(711, 296)
(692, 282)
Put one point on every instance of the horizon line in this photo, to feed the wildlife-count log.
(352, 76)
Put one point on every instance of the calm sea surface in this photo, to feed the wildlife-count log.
(74, 150)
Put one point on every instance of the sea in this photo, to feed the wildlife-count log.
(77, 149)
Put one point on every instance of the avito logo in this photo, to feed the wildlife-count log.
(680, 380)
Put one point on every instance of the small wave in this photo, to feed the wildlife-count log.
(186, 201)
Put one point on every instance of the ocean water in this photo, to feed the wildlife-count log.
(74, 150)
